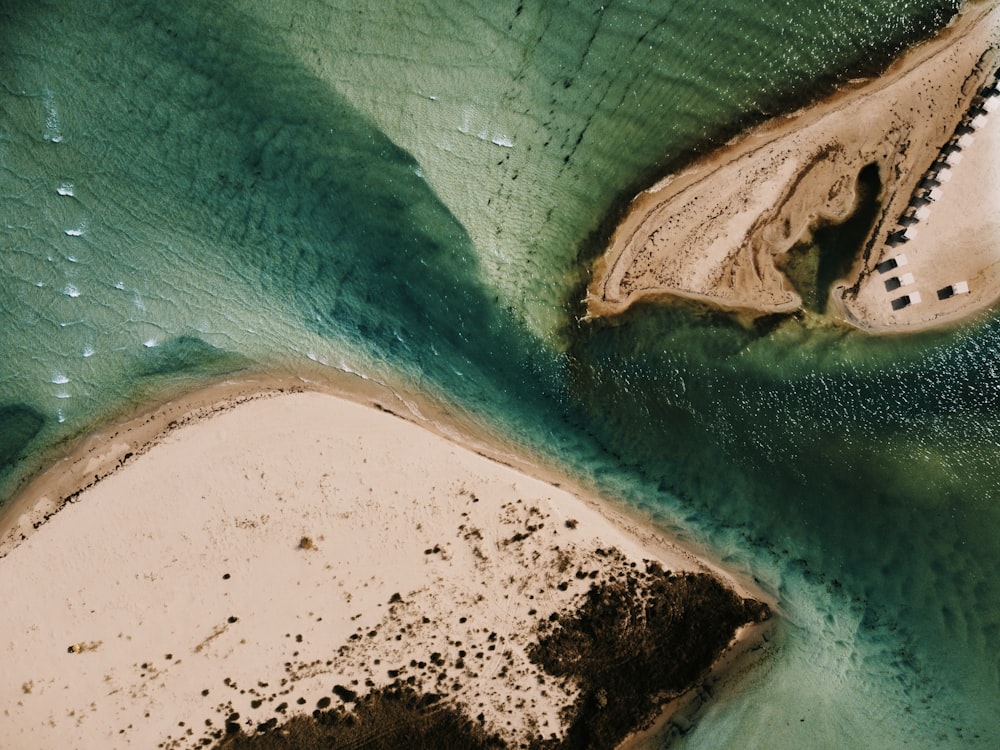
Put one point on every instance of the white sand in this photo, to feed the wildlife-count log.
(959, 240)
(132, 573)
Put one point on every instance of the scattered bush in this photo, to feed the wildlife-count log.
(638, 639)
(635, 642)
(390, 718)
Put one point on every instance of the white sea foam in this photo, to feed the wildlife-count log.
(71, 291)
(119, 285)
(466, 125)
(344, 367)
(484, 133)
(150, 343)
(65, 188)
(53, 129)
(88, 351)
(58, 378)
(75, 231)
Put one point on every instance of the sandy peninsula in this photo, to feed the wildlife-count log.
(284, 562)
(721, 230)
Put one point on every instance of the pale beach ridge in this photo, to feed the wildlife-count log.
(266, 546)
(720, 230)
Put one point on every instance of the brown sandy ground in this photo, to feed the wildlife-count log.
(720, 231)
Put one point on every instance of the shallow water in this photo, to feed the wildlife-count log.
(408, 193)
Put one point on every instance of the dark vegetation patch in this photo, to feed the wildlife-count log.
(632, 642)
(345, 694)
(392, 717)
(20, 425)
(183, 354)
(815, 265)
(841, 245)
(635, 642)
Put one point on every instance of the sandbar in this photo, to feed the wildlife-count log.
(721, 230)
(287, 551)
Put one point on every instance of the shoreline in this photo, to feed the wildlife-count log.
(80, 462)
(97, 455)
(768, 189)
(179, 419)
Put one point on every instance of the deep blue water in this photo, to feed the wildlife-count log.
(413, 192)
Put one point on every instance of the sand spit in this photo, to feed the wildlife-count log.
(290, 553)
(720, 230)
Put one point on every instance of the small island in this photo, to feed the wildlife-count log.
(725, 230)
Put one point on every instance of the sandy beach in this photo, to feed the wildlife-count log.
(720, 231)
(241, 560)
(955, 222)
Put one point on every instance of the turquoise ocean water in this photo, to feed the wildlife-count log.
(411, 191)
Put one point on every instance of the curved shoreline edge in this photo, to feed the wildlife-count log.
(61, 566)
(720, 231)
